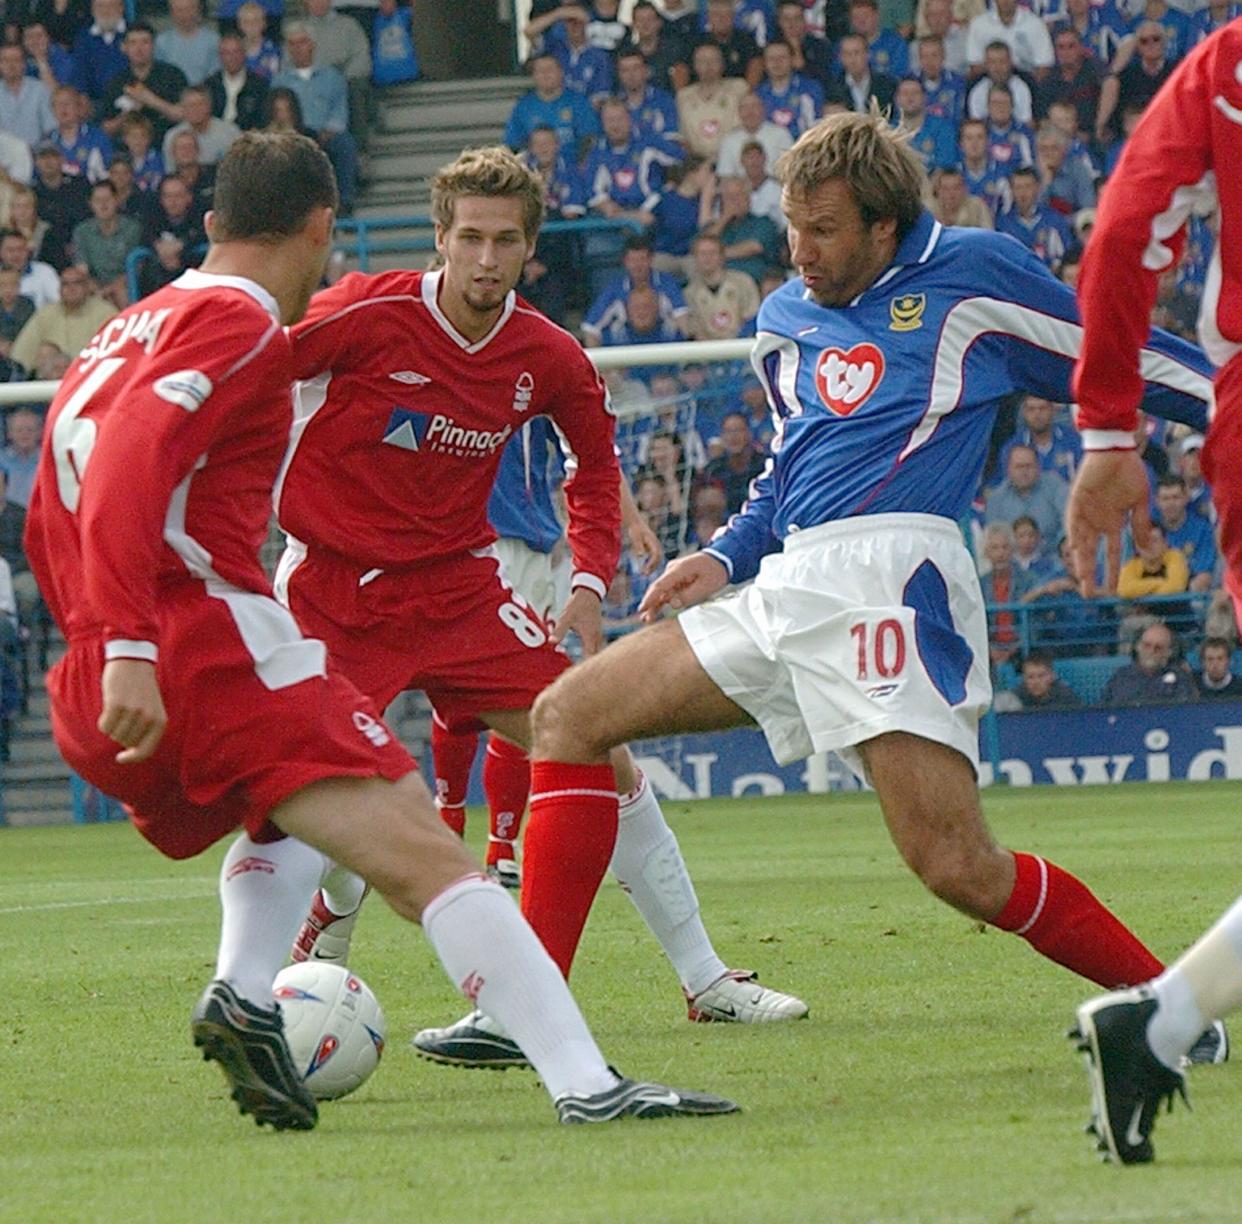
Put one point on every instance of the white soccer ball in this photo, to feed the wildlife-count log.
(334, 1025)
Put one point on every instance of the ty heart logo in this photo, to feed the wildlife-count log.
(846, 380)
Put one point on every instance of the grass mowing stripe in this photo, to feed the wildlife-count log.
(931, 1085)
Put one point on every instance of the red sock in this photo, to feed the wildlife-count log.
(506, 782)
(569, 844)
(1061, 918)
(452, 754)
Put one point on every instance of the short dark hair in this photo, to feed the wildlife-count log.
(140, 27)
(1219, 642)
(1041, 657)
(998, 45)
(268, 184)
(1025, 172)
(107, 184)
(1170, 481)
(640, 242)
(1025, 518)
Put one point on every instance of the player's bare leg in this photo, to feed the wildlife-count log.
(931, 804)
(390, 834)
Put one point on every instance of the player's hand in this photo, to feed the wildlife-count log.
(583, 614)
(133, 710)
(687, 581)
(644, 545)
(1110, 487)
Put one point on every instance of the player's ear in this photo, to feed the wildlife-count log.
(209, 225)
(319, 225)
(440, 238)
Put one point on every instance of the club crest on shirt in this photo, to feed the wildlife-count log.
(845, 380)
(523, 391)
(906, 312)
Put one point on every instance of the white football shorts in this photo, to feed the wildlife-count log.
(532, 574)
(857, 628)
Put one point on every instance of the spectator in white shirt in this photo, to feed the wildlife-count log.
(39, 280)
(998, 70)
(755, 126)
(1024, 33)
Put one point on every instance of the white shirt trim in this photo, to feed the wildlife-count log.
(431, 293)
(195, 278)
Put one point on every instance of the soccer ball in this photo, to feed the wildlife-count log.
(334, 1026)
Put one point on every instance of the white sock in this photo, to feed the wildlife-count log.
(265, 894)
(647, 861)
(495, 959)
(342, 890)
(1202, 985)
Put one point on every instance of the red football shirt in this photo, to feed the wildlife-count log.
(159, 455)
(399, 422)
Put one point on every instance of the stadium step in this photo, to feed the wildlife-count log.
(421, 127)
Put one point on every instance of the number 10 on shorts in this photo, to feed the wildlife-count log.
(880, 647)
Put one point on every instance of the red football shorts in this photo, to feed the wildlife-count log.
(451, 628)
(249, 721)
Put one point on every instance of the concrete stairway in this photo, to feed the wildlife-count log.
(35, 781)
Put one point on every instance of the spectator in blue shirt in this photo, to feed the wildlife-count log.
(25, 104)
(1057, 445)
(983, 176)
(653, 112)
(1191, 534)
(549, 275)
(934, 140)
(1028, 490)
(1037, 226)
(752, 244)
(98, 55)
(188, 44)
(679, 215)
(945, 91)
(1067, 186)
(886, 49)
(1215, 15)
(789, 100)
(587, 69)
(84, 149)
(643, 325)
(623, 173)
(1010, 143)
(550, 104)
(46, 61)
(324, 98)
(393, 57)
(607, 317)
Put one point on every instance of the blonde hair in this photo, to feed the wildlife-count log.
(871, 157)
(492, 171)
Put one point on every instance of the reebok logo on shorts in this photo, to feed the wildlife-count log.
(251, 863)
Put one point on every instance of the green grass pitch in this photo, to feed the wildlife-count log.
(932, 1081)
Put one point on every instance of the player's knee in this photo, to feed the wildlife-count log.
(559, 729)
(967, 878)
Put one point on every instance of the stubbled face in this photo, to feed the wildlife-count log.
(232, 55)
(835, 253)
(1025, 191)
(484, 250)
(1038, 414)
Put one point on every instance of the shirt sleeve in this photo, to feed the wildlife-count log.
(1139, 232)
(1174, 377)
(742, 543)
(585, 427)
(325, 332)
(159, 428)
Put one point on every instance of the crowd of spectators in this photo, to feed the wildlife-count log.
(113, 115)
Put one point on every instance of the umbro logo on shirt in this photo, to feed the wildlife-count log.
(410, 377)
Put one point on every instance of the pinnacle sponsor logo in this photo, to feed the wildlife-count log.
(441, 435)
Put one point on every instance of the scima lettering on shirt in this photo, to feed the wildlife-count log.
(846, 380)
(142, 327)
